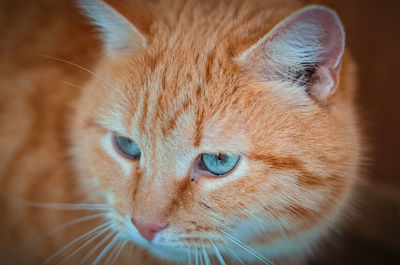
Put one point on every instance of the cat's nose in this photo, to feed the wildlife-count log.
(147, 230)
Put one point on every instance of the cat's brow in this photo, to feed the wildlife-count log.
(279, 163)
(199, 122)
(89, 123)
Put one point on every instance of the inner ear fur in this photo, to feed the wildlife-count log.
(119, 35)
(304, 49)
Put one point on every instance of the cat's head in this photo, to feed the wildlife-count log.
(213, 124)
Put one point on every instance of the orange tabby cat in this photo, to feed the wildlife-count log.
(205, 132)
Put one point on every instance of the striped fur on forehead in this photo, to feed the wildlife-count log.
(180, 78)
(184, 95)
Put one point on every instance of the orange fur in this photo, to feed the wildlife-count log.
(181, 96)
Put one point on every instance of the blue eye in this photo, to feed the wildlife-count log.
(219, 164)
(126, 147)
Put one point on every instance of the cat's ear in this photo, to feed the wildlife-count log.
(305, 48)
(119, 34)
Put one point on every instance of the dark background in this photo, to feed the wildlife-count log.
(373, 38)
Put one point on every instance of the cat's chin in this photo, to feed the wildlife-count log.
(168, 253)
(163, 251)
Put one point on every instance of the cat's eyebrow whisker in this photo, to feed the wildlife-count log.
(247, 248)
(218, 254)
(74, 64)
(106, 249)
(63, 82)
(77, 240)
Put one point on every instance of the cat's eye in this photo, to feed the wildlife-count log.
(126, 147)
(219, 164)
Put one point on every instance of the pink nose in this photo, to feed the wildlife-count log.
(147, 230)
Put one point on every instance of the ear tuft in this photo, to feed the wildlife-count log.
(118, 34)
(304, 49)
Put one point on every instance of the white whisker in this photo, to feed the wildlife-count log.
(106, 249)
(96, 247)
(197, 254)
(63, 82)
(206, 259)
(189, 255)
(218, 254)
(201, 258)
(98, 234)
(73, 64)
(69, 206)
(118, 252)
(60, 206)
(73, 242)
(247, 248)
(234, 255)
(75, 221)
(68, 224)
(112, 253)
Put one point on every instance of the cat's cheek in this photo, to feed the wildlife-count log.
(117, 177)
(103, 172)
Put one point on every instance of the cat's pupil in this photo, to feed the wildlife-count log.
(219, 159)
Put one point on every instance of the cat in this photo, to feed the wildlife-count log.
(199, 132)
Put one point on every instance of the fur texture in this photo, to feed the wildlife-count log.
(181, 78)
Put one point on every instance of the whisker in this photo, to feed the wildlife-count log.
(73, 64)
(63, 82)
(61, 206)
(112, 253)
(73, 242)
(247, 248)
(118, 252)
(206, 258)
(67, 206)
(70, 223)
(189, 255)
(65, 225)
(96, 247)
(201, 258)
(195, 246)
(106, 249)
(218, 254)
(235, 256)
(98, 234)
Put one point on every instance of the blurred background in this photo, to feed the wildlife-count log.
(373, 38)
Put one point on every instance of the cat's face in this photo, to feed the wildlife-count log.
(213, 155)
